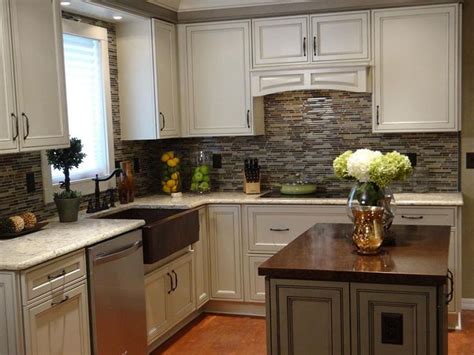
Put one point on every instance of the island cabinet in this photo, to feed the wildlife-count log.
(322, 298)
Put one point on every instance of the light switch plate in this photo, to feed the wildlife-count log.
(470, 160)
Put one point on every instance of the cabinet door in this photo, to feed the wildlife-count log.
(182, 298)
(416, 69)
(393, 319)
(39, 64)
(280, 41)
(254, 284)
(158, 285)
(218, 79)
(340, 37)
(8, 313)
(60, 325)
(166, 78)
(225, 249)
(201, 258)
(310, 317)
(8, 113)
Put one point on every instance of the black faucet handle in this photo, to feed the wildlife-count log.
(90, 207)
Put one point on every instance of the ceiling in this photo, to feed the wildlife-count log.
(196, 5)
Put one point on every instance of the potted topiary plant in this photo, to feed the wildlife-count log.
(67, 201)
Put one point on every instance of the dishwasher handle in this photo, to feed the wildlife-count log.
(117, 254)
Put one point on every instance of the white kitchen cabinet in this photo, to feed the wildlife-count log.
(34, 114)
(254, 284)
(148, 76)
(201, 261)
(280, 40)
(10, 333)
(225, 252)
(8, 120)
(416, 69)
(340, 37)
(59, 324)
(169, 294)
(215, 80)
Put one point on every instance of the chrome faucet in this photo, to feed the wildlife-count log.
(97, 206)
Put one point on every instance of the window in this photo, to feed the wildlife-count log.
(88, 104)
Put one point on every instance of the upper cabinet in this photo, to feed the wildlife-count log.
(148, 79)
(215, 74)
(32, 97)
(282, 40)
(311, 39)
(340, 37)
(416, 69)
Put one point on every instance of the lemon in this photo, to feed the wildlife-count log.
(171, 163)
(166, 189)
(174, 189)
(176, 159)
(170, 154)
(175, 176)
(170, 183)
(165, 157)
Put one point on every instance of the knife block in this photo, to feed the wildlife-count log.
(251, 187)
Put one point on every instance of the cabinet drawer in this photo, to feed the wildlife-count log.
(48, 277)
(270, 228)
(437, 216)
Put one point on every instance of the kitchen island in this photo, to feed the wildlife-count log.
(324, 298)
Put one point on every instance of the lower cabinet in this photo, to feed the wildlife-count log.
(255, 285)
(225, 252)
(59, 324)
(309, 317)
(336, 318)
(10, 339)
(169, 293)
(201, 261)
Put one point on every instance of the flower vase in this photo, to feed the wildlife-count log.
(372, 210)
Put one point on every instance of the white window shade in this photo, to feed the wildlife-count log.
(86, 103)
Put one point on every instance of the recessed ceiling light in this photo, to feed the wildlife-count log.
(65, 3)
(117, 17)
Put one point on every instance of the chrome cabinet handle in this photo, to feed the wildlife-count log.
(164, 121)
(304, 47)
(315, 52)
(53, 304)
(248, 118)
(280, 229)
(171, 281)
(449, 296)
(176, 278)
(27, 125)
(412, 217)
(14, 117)
(57, 276)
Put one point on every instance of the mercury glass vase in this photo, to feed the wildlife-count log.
(372, 210)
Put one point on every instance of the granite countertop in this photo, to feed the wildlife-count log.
(59, 239)
(189, 200)
(326, 253)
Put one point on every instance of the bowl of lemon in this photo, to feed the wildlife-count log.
(170, 173)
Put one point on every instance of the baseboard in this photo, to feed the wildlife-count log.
(236, 308)
(468, 304)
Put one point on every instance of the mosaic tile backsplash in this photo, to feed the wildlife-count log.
(305, 130)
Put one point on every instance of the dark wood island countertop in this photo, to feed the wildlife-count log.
(325, 252)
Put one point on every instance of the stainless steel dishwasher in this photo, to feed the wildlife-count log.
(117, 296)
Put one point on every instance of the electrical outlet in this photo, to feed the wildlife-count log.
(470, 160)
(217, 161)
(392, 328)
(30, 182)
(413, 158)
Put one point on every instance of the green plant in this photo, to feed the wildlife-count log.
(65, 160)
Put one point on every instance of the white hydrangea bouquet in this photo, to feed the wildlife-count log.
(373, 172)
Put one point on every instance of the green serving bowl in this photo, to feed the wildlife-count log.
(298, 189)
